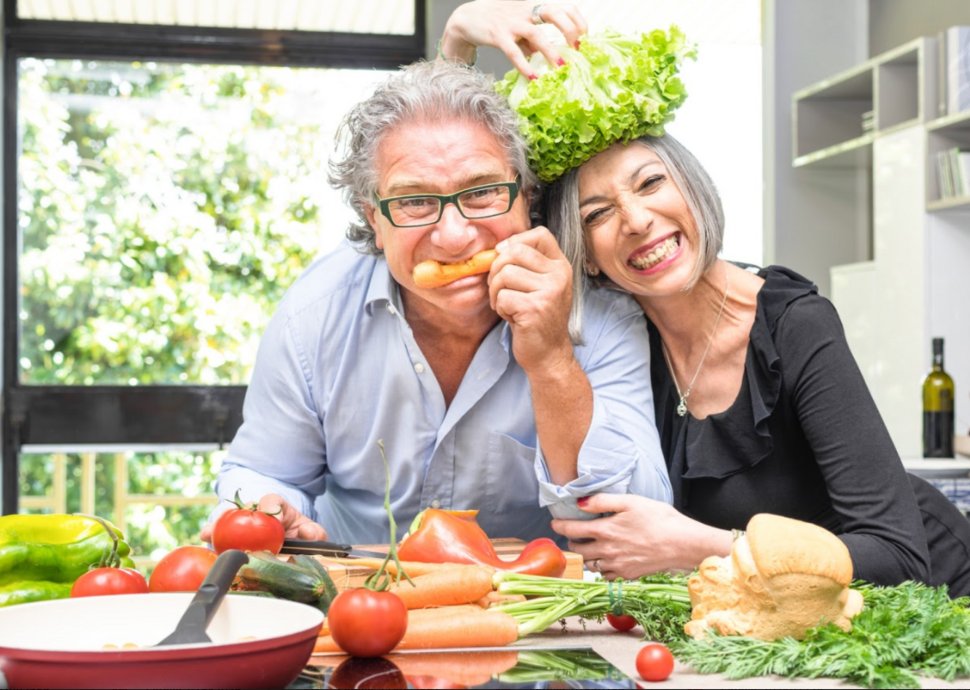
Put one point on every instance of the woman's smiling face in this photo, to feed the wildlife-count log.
(639, 230)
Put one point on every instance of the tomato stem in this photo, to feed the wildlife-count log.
(380, 580)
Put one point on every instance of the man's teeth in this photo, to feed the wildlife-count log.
(656, 255)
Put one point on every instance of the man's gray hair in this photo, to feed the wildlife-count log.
(694, 182)
(425, 90)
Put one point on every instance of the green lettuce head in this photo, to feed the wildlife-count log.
(613, 89)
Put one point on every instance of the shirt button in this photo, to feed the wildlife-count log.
(391, 310)
(436, 503)
(418, 367)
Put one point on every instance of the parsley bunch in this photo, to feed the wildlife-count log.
(902, 633)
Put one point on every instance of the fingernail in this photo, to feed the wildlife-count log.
(577, 45)
(582, 501)
(532, 77)
(560, 62)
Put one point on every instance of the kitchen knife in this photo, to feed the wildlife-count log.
(327, 548)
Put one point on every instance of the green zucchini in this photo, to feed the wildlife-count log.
(303, 580)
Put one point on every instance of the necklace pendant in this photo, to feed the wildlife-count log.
(682, 407)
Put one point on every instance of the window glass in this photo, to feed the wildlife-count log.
(359, 16)
(165, 208)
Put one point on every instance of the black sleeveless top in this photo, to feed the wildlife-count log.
(804, 439)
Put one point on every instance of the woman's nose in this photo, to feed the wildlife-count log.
(635, 217)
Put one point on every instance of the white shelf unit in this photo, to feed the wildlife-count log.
(916, 284)
(952, 131)
(889, 91)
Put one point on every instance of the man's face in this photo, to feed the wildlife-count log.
(442, 158)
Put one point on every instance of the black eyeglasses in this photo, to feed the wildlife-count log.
(483, 201)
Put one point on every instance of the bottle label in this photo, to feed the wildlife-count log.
(938, 434)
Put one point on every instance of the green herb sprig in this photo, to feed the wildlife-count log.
(903, 632)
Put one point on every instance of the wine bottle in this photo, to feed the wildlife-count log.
(938, 394)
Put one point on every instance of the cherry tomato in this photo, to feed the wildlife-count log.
(655, 662)
(109, 581)
(367, 623)
(182, 569)
(621, 622)
(248, 529)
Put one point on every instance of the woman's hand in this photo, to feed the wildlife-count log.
(642, 536)
(296, 524)
(509, 26)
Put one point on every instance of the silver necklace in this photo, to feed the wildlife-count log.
(682, 403)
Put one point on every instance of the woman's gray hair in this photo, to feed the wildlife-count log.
(694, 182)
(431, 90)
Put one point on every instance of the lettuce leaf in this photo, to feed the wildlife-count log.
(613, 89)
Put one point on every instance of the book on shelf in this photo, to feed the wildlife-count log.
(953, 173)
(957, 69)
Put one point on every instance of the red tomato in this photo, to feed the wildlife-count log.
(109, 581)
(621, 622)
(655, 662)
(182, 569)
(367, 623)
(247, 529)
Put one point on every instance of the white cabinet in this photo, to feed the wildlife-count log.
(916, 285)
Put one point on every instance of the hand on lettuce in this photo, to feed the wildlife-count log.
(614, 88)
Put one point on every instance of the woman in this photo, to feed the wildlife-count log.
(759, 403)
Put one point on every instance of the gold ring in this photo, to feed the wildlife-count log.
(536, 16)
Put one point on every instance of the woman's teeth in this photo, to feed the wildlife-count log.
(656, 255)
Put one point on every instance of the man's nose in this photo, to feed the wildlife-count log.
(453, 231)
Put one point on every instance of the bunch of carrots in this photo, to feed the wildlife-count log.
(458, 605)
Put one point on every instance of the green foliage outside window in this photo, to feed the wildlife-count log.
(163, 212)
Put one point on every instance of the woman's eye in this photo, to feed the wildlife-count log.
(651, 182)
(595, 217)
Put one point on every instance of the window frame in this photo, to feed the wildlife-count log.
(149, 414)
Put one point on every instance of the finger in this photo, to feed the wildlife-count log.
(567, 19)
(605, 503)
(206, 533)
(518, 54)
(580, 533)
(274, 504)
(533, 40)
(311, 531)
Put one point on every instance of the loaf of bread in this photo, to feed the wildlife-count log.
(783, 576)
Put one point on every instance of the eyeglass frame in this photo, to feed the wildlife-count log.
(514, 187)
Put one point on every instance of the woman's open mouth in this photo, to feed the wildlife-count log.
(657, 254)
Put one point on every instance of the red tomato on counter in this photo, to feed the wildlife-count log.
(655, 662)
(621, 622)
(182, 569)
(367, 623)
(247, 528)
(109, 581)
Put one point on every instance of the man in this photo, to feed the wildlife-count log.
(473, 387)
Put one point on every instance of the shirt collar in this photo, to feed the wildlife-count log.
(383, 290)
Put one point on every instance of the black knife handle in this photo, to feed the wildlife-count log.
(311, 546)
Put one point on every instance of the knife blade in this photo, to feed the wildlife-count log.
(327, 548)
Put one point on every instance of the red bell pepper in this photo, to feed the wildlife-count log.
(440, 536)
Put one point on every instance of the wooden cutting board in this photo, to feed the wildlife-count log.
(346, 574)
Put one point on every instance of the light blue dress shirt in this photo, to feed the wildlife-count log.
(338, 370)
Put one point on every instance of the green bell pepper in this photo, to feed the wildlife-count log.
(42, 555)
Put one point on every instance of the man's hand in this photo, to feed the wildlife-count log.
(296, 524)
(531, 287)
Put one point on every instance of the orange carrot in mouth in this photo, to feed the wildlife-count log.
(432, 274)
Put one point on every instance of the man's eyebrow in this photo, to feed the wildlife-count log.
(404, 187)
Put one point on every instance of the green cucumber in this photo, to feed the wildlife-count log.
(303, 580)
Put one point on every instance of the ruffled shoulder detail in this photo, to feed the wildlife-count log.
(760, 389)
